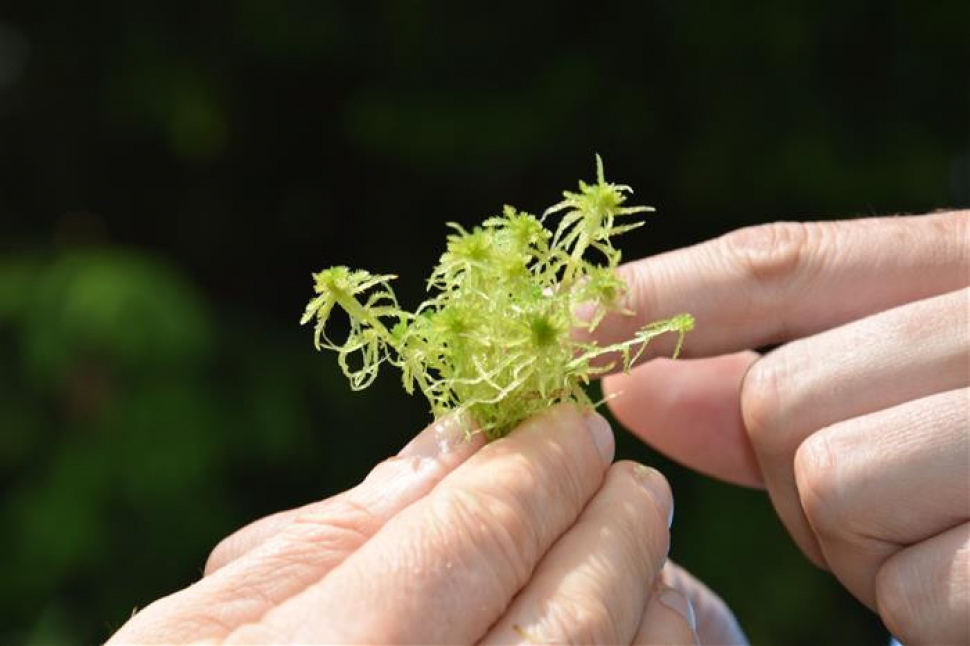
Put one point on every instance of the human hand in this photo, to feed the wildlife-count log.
(857, 425)
(534, 537)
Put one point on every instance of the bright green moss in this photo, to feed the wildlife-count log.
(494, 339)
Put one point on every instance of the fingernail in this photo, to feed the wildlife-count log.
(441, 437)
(654, 482)
(676, 601)
(586, 311)
(602, 434)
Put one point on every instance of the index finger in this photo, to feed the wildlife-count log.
(444, 569)
(261, 566)
(771, 283)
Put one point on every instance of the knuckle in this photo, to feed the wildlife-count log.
(819, 487)
(894, 602)
(345, 514)
(640, 285)
(582, 619)
(950, 230)
(492, 526)
(770, 253)
(340, 527)
(761, 403)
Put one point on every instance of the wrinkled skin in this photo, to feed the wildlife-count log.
(534, 537)
(857, 424)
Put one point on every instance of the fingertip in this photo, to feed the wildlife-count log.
(573, 418)
(448, 434)
(602, 434)
(689, 410)
(657, 486)
(617, 389)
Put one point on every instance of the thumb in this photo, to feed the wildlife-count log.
(690, 410)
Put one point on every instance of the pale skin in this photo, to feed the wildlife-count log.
(857, 426)
(537, 537)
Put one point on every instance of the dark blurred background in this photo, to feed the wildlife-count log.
(171, 173)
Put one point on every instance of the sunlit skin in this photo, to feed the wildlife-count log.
(857, 425)
(533, 537)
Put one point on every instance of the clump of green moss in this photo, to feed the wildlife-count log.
(495, 337)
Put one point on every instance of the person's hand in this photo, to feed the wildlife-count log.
(534, 537)
(857, 425)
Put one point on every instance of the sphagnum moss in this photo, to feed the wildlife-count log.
(495, 337)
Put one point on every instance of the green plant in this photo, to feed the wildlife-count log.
(496, 338)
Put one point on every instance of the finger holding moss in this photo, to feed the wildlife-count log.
(494, 339)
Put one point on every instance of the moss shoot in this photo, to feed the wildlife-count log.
(494, 339)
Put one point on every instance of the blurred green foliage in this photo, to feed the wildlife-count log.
(136, 435)
(170, 174)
